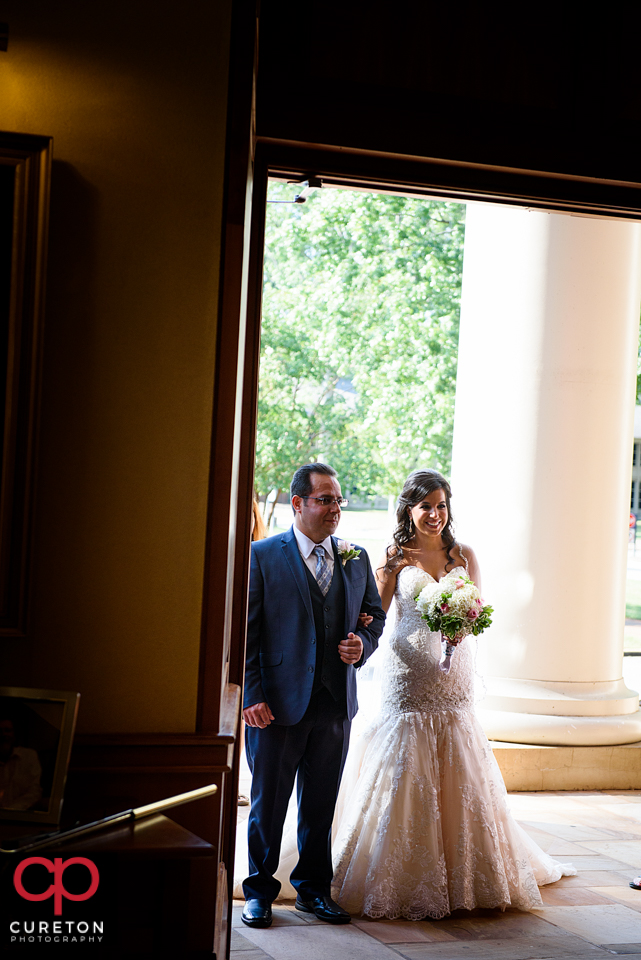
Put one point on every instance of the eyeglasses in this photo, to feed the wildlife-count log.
(328, 501)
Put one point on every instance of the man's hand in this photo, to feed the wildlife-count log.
(258, 715)
(351, 649)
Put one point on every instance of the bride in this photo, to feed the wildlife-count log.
(422, 825)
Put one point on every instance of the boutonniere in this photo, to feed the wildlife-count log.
(347, 551)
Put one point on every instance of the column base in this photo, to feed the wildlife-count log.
(525, 766)
(560, 698)
(560, 731)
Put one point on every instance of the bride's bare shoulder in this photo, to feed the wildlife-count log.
(465, 555)
(390, 562)
(387, 570)
(463, 552)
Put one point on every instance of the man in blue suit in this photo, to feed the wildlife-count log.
(304, 641)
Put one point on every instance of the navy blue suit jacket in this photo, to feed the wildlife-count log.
(281, 636)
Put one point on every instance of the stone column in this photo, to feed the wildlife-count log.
(541, 466)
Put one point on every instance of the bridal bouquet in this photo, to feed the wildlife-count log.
(454, 607)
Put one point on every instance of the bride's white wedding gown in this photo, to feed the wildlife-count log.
(422, 825)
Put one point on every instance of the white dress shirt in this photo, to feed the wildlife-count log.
(307, 547)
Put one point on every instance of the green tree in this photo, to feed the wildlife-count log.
(360, 337)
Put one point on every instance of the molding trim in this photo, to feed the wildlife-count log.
(448, 179)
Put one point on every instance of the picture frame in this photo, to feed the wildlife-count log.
(36, 735)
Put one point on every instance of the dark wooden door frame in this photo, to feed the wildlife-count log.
(237, 362)
(451, 180)
(246, 452)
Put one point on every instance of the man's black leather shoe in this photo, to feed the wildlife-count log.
(324, 908)
(257, 913)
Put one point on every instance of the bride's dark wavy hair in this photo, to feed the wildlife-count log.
(417, 487)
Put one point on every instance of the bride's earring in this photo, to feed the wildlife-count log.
(410, 529)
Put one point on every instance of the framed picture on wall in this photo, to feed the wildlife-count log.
(36, 734)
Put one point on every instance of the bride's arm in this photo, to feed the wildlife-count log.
(385, 581)
(473, 568)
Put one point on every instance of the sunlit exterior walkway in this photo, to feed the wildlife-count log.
(594, 914)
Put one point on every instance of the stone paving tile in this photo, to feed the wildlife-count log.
(243, 949)
(595, 878)
(624, 828)
(631, 795)
(285, 911)
(322, 942)
(540, 837)
(557, 799)
(625, 851)
(521, 948)
(574, 896)
(253, 954)
(404, 931)
(623, 811)
(596, 796)
(597, 862)
(496, 925)
(287, 906)
(618, 828)
(621, 894)
(597, 924)
(566, 848)
(599, 797)
(239, 942)
(606, 824)
(236, 922)
(610, 813)
(609, 804)
(285, 914)
(569, 831)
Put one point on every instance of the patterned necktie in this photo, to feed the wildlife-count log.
(323, 573)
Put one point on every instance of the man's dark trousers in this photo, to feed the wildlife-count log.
(315, 748)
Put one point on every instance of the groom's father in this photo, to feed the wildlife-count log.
(304, 641)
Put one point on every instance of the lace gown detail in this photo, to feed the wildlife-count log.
(422, 825)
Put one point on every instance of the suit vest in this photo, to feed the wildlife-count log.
(329, 624)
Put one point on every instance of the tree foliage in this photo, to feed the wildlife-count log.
(359, 338)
